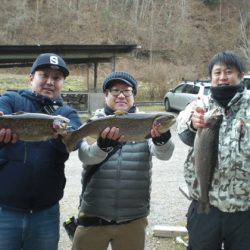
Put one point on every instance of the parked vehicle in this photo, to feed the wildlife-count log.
(186, 92)
(246, 81)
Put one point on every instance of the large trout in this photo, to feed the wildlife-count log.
(33, 126)
(206, 156)
(133, 126)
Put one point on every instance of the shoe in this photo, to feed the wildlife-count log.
(70, 226)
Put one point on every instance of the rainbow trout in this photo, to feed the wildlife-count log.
(206, 156)
(33, 126)
(134, 126)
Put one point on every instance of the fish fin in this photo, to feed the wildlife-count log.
(120, 112)
(203, 207)
(19, 113)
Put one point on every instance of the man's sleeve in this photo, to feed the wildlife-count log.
(244, 141)
(91, 154)
(184, 126)
(7, 102)
(75, 121)
(161, 152)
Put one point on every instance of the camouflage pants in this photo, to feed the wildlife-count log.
(209, 231)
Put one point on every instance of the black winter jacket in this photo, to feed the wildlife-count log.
(32, 173)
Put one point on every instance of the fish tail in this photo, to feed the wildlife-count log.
(70, 140)
(203, 207)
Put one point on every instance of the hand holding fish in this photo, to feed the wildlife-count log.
(159, 137)
(59, 129)
(112, 134)
(109, 138)
(197, 118)
(6, 135)
(154, 131)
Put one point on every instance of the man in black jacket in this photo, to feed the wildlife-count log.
(32, 173)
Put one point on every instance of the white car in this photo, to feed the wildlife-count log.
(186, 92)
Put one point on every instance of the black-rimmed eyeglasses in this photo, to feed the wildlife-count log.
(117, 92)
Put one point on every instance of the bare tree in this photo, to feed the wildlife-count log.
(183, 9)
(245, 34)
(37, 11)
(151, 33)
(136, 11)
(145, 5)
(220, 13)
(96, 5)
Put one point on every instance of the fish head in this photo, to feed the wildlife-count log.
(61, 122)
(164, 121)
(213, 118)
(120, 112)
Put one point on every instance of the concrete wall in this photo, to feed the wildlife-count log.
(86, 102)
(95, 101)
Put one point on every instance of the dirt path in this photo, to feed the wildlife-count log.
(168, 205)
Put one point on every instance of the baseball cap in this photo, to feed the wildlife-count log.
(50, 60)
(121, 76)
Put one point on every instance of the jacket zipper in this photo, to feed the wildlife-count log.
(25, 152)
(118, 182)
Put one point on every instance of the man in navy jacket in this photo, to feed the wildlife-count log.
(32, 173)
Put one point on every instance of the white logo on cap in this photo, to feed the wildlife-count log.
(53, 60)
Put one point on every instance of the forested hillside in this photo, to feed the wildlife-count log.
(177, 37)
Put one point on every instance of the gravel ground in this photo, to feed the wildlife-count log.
(168, 205)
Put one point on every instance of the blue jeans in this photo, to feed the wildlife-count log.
(29, 231)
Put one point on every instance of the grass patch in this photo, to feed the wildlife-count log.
(154, 108)
(11, 81)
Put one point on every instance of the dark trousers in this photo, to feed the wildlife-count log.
(208, 231)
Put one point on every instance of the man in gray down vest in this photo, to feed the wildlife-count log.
(32, 173)
(228, 219)
(116, 177)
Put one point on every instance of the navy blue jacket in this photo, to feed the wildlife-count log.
(32, 173)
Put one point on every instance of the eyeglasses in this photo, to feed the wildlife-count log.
(117, 92)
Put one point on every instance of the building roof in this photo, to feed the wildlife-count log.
(24, 55)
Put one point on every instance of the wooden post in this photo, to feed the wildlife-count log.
(88, 88)
(95, 76)
(113, 62)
